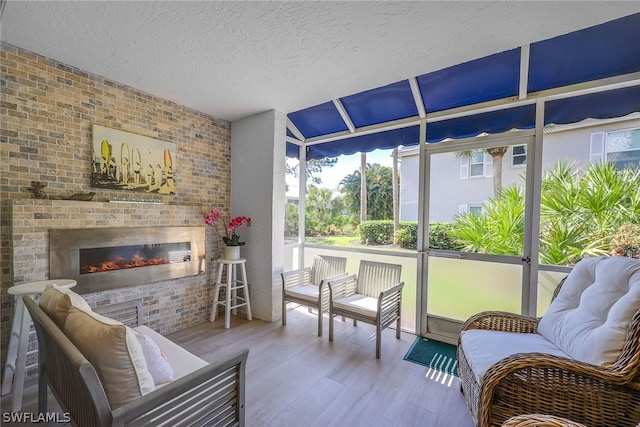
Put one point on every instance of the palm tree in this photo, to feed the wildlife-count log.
(497, 154)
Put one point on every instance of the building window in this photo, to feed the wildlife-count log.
(476, 163)
(623, 148)
(475, 210)
(519, 155)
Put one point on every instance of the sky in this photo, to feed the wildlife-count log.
(346, 165)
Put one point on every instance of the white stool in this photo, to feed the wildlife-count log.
(15, 368)
(232, 299)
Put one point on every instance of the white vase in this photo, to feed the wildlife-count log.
(232, 252)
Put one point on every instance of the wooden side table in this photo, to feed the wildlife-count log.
(233, 284)
(15, 368)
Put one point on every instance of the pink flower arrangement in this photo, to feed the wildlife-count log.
(231, 238)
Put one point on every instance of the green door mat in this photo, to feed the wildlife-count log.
(433, 354)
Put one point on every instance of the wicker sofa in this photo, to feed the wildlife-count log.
(580, 361)
(99, 393)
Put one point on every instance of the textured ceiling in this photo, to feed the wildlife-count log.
(234, 59)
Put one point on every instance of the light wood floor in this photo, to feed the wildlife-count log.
(295, 378)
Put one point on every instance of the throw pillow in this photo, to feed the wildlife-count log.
(157, 362)
(56, 302)
(114, 352)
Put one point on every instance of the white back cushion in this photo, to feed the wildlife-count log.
(590, 316)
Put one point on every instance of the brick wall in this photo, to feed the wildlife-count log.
(48, 109)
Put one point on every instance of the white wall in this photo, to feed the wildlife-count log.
(258, 191)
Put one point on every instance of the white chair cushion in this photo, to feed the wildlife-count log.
(308, 292)
(590, 317)
(114, 352)
(182, 362)
(362, 304)
(56, 302)
(484, 348)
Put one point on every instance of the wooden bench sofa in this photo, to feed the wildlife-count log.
(199, 394)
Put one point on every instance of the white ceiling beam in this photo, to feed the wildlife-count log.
(344, 115)
(524, 70)
(417, 97)
(294, 141)
(294, 130)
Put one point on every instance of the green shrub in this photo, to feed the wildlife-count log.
(407, 235)
(376, 232)
(439, 236)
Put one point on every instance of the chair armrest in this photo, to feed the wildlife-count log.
(326, 280)
(342, 287)
(501, 321)
(216, 390)
(293, 278)
(553, 375)
(390, 299)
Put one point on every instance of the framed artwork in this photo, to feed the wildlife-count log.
(126, 161)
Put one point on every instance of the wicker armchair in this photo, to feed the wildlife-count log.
(374, 297)
(538, 382)
(306, 286)
(540, 420)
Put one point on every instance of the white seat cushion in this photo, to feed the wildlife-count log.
(484, 348)
(362, 304)
(590, 316)
(308, 292)
(182, 362)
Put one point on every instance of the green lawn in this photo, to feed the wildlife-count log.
(343, 240)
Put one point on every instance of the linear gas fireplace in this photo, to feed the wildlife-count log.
(107, 258)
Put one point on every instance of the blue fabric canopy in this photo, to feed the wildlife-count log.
(601, 105)
(607, 50)
(485, 79)
(492, 122)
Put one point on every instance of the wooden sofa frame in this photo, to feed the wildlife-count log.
(212, 395)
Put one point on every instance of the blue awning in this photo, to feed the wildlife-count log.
(492, 122)
(607, 50)
(485, 79)
(601, 105)
(364, 143)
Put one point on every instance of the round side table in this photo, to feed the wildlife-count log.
(13, 378)
(233, 284)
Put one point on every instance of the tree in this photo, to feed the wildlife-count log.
(379, 192)
(323, 212)
(497, 154)
(314, 168)
(363, 187)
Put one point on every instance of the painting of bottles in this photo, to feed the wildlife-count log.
(126, 161)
